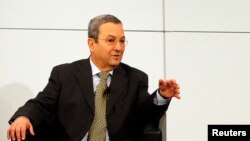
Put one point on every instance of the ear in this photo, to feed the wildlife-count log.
(91, 44)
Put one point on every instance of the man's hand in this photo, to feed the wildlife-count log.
(169, 88)
(17, 130)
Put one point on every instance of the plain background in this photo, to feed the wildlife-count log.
(204, 45)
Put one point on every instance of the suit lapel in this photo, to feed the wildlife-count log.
(84, 77)
(117, 86)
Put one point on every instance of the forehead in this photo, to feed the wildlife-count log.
(111, 29)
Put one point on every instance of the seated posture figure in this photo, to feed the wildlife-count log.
(98, 98)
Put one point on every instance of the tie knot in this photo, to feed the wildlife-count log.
(103, 76)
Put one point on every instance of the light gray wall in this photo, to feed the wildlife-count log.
(207, 51)
(37, 35)
(202, 44)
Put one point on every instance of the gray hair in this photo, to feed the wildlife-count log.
(96, 22)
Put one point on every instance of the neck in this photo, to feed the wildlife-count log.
(101, 67)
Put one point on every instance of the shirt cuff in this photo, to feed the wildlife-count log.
(159, 100)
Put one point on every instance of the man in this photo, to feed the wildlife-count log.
(69, 97)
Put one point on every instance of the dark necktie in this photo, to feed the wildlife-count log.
(98, 128)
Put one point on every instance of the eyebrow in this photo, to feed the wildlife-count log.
(123, 37)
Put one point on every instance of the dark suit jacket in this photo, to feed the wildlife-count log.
(68, 100)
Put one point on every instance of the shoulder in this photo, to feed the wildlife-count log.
(71, 65)
(66, 68)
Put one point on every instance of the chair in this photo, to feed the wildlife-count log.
(155, 131)
(152, 132)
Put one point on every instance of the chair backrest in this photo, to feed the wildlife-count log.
(156, 131)
(163, 128)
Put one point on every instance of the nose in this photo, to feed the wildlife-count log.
(118, 46)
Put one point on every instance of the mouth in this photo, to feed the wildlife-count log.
(116, 56)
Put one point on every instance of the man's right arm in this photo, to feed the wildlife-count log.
(33, 113)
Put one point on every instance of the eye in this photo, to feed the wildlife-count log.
(122, 41)
(111, 40)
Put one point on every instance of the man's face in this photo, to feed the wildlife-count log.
(107, 52)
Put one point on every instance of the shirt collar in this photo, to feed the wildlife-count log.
(95, 70)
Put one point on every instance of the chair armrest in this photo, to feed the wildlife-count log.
(151, 133)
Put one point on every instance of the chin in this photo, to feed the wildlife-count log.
(115, 63)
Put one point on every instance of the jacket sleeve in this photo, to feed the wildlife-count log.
(149, 111)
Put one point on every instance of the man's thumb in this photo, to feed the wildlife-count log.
(31, 130)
